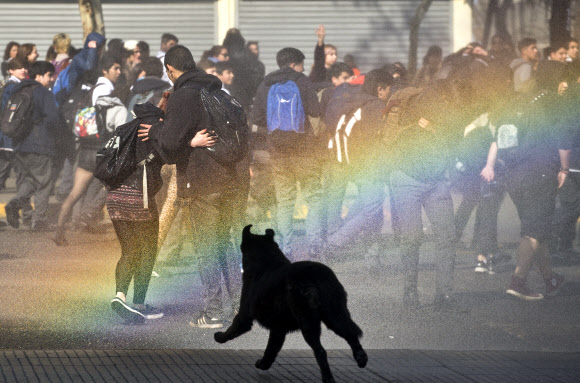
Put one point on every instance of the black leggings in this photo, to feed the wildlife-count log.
(138, 252)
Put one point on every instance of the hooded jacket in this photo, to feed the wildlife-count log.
(197, 172)
(86, 59)
(140, 91)
(363, 148)
(289, 143)
(147, 114)
(47, 127)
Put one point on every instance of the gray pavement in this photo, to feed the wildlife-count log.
(291, 366)
(58, 299)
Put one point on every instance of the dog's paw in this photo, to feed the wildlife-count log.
(262, 365)
(328, 379)
(361, 358)
(220, 337)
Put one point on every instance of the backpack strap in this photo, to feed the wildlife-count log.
(144, 163)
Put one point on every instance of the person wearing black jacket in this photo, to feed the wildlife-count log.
(364, 112)
(136, 223)
(296, 157)
(248, 70)
(34, 153)
(534, 141)
(203, 183)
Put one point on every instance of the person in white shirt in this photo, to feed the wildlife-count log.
(114, 113)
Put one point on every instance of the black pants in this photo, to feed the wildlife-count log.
(138, 252)
(6, 159)
(569, 211)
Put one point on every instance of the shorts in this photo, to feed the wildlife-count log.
(534, 194)
(87, 159)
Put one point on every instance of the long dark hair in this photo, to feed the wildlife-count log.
(9, 48)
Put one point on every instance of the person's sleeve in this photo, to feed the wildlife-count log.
(118, 118)
(318, 73)
(569, 117)
(50, 110)
(309, 98)
(521, 76)
(258, 113)
(100, 90)
(181, 123)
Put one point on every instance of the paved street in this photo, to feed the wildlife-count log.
(58, 299)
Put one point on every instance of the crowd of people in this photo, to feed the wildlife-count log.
(484, 121)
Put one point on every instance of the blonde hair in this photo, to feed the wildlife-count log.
(61, 43)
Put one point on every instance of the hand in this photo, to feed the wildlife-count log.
(425, 124)
(92, 44)
(144, 133)
(561, 179)
(320, 33)
(487, 173)
(203, 139)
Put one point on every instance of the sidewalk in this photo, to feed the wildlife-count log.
(291, 366)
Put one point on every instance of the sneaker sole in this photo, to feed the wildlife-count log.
(210, 326)
(524, 297)
(481, 270)
(153, 316)
(126, 312)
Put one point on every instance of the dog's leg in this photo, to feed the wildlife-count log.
(310, 328)
(275, 342)
(240, 325)
(345, 327)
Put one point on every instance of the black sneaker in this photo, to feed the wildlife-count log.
(204, 321)
(485, 266)
(126, 312)
(149, 312)
(12, 214)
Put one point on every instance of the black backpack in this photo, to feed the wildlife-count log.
(228, 120)
(117, 160)
(17, 119)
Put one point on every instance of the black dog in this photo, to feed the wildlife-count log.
(284, 297)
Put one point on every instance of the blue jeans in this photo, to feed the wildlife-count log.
(289, 172)
(365, 216)
(211, 219)
(410, 195)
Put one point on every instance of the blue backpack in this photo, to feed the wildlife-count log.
(285, 111)
(61, 89)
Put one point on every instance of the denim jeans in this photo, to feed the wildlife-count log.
(33, 179)
(211, 220)
(365, 216)
(410, 195)
(289, 172)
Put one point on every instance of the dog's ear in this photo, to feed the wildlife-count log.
(270, 233)
(246, 233)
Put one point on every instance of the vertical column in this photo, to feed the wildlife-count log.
(227, 17)
(462, 33)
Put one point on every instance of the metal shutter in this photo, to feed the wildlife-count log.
(194, 23)
(375, 32)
